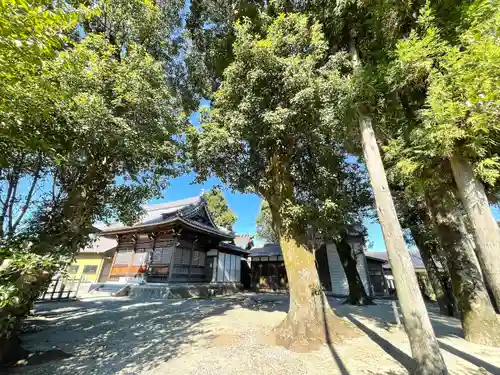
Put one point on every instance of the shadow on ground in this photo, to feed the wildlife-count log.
(130, 336)
(108, 336)
(382, 316)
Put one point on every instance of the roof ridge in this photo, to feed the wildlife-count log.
(173, 204)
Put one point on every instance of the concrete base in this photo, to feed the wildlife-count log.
(180, 291)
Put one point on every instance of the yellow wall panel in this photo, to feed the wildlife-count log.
(93, 270)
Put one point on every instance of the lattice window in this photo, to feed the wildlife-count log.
(178, 256)
(196, 258)
(139, 259)
(123, 257)
(88, 269)
(162, 255)
(186, 254)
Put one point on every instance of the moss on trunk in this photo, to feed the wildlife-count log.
(310, 321)
(477, 315)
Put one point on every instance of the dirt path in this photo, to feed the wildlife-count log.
(227, 336)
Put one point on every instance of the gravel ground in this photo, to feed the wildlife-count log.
(227, 335)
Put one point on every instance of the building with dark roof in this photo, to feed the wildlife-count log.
(268, 270)
(175, 242)
(416, 259)
(418, 266)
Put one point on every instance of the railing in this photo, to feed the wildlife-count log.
(61, 289)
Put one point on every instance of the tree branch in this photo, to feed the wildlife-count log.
(29, 197)
(12, 202)
(5, 204)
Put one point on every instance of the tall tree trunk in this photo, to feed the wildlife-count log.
(484, 227)
(442, 298)
(310, 321)
(357, 293)
(424, 346)
(478, 317)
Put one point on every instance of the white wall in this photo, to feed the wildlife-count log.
(337, 274)
(228, 268)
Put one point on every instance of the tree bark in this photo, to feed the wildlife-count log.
(424, 346)
(484, 227)
(442, 298)
(357, 293)
(477, 315)
(310, 321)
(423, 343)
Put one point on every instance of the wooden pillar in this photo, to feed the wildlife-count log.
(131, 261)
(191, 257)
(118, 239)
(149, 257)
(171, 267)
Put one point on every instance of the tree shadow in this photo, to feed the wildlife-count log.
(109, 336)
(383, 317)
(340, 364)
(470, 358)
(122, 335)
(404, 359)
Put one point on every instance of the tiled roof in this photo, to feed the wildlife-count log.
(166, 213)
(233, 248)
(100, 245)
(269, 249)
(416, 259)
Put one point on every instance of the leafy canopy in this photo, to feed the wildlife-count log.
(264, 223)
(219, 208)
(461, 77)
(266, 132)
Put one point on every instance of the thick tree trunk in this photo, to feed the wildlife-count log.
(310, 321)
(478, 317)
(424, 346)
(484, 227)
(357, 294)
(442, 298)
(11, 350)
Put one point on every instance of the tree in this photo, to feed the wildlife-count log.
(415, 218)
(348, 258)
(260, 138)
(375, 28)
(100, 111)
(355, 102)
(428, 204)
(219, 209)
(479, 319)
(265, 228)
(454, 56)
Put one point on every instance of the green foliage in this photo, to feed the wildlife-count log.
(264, 221)
(90, 117)
(267, 133)
(219, 208)
(461, 77)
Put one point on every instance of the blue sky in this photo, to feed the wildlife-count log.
(246, 206)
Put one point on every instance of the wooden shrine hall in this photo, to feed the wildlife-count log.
(175, 242)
